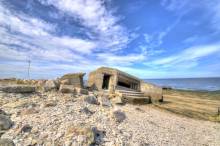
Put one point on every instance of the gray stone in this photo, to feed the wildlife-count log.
(18, 89)
(86, 111)
(104, 101)
(2, 112)
(6, 142)
(5, 122)
(99, 135)
(91, 99)
(25, 128)
(119, 116)
(82, 135)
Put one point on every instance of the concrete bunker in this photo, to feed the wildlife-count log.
(114, 80)
(105, 78)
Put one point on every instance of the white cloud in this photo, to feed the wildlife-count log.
(11, 54)
(28, 37)
(174, 5)
(125, 60)
(94, 15)
(191, 39)
(189, 56)
(24, 24)
(181, 7)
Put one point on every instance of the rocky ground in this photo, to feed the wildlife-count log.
(53, 118)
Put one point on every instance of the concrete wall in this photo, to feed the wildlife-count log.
(95, 79)
(153, 91)
(135, 84)
(92, 81)
(73, 79)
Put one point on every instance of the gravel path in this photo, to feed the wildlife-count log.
(51, 115)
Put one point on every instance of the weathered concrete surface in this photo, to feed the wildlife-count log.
(152, 91)
(135, 100)
(72, 89)
(74, 79)
(67, 89)
(51, 85)
(18, 89)
(96, 79)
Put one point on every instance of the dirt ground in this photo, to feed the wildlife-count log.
(194, 104)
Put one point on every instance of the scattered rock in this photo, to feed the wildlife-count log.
(86, 111)
(6, 142)
(99, 135)
(50, 103)
(5, 122)
(69, 98)
(24, 128)
(18, 89)
(2, 112)
(104, 100)
(1, 133)
(91, 99)
(79, 135)
(67, 89)
(50, 85)
(118, 115)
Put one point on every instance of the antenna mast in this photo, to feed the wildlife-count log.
(29, 65)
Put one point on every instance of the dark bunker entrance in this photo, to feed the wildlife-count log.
(106, 79)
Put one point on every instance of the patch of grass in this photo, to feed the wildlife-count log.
(20, 82)
(215, 118)
(194, 104)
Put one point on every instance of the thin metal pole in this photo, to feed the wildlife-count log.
(29, 65)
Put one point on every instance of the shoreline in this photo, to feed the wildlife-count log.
(193, 90)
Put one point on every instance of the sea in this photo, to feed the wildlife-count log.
(198, 84)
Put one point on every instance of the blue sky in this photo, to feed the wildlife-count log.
(146, 38)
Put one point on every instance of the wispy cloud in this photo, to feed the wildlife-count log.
(182, 7)
(27, 37)
(125, 60)
(174, 5)
(188, 56)
(80, 35)
(93, 14)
